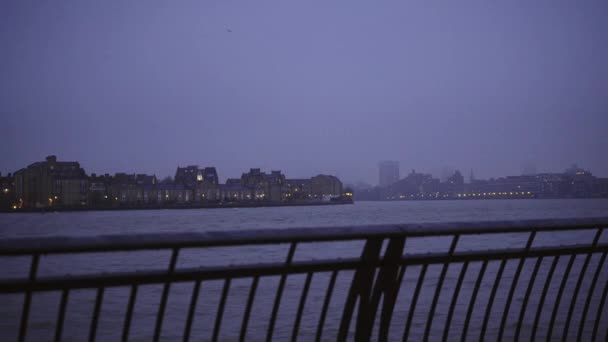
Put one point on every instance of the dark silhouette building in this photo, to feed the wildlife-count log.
(50, 183)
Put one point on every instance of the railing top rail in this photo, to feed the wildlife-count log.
(130, 242)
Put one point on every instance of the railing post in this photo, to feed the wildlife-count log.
(360, 289)
(387, 284)
(368, 291)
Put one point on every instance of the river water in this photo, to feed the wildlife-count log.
(44, 305)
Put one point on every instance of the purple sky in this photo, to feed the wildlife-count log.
(305, 86)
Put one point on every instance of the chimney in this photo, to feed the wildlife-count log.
(51, 159)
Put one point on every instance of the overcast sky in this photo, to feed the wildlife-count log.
(306, 87)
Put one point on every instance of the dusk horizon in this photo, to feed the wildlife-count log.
(305, 88)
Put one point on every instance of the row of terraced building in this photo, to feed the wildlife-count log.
(53, 183)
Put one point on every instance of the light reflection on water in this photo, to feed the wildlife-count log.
(44, 307)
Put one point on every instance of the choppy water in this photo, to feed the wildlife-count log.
(44, 306)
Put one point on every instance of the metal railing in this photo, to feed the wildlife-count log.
(378, 276)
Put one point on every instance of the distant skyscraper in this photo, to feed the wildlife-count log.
(389, 172)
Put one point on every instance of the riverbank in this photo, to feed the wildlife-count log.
(218, 205)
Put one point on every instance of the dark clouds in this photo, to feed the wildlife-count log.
(306, 87)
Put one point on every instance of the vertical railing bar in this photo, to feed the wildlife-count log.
(514, 281)
(558, 299)
(61, 317)
(277, 299)
(486, 317)
(448, 322)
(296, 325)
(596, 276)
(473, 299)
(220, 310)
(254, 286)
(391, 288)
(96, 310)
(410, 314)
(444, 271)
(165, 295)
(543, 297)
(524, 305)
(385, 326)
(28, 298)
(330, 289)
(361, 288)
(579, 282)
(129, 314)
(598, 317)
(192, 310)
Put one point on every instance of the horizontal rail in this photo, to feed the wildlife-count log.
(113, 243)
(274, 269)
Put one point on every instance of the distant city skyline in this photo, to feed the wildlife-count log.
(441, 173)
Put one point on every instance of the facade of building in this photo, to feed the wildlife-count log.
(51, 183)
(322, 186)
(203, 183)
(297, 189)
(259, 185)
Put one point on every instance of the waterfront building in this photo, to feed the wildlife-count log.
(202, 182)
(388, 172)
(259, 185)
(297, 189)
(169, 192)
(584, 184)
(210, 175)
(51, 183)
(99, 186)
(7, 191)
(131, 189)
(325, 185)
(233, 190)
(188, 176)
